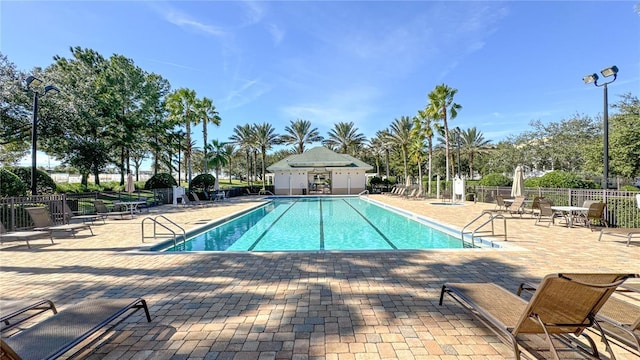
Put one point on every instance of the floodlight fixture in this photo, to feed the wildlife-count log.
(51, 88)
(613, 70)
(590, 78)
(33, 80)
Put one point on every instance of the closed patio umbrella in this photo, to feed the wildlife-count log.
(517, 189)
(130, 186)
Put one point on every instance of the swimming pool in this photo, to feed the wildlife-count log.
(321, 224)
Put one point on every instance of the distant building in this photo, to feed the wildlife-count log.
(319, 171)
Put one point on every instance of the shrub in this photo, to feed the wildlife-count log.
(629, 188)
(495, 179)
(160, 181)
(203, 183)
(565, 180)
(11, 184)
(44, 182)
(532, 182)
(375, 181)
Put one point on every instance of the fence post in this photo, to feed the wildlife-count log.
(12, 210)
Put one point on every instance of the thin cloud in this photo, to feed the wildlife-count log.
(183, 20)
(277, 33)
(246, 93)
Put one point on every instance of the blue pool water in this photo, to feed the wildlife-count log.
(315, 224)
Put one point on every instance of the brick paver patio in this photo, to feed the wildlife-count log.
(331, 305)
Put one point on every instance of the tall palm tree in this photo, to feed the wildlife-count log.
(386, 147)
(230, 152)
(345, 137)
(473, 143)
(217, 156)
(299, 133)
(243, 138)
(265, 137)
(416, 152)
(399, 136)
(425, 127)
(182, 110)
(206, 113)
(376, 148)
(442, 107)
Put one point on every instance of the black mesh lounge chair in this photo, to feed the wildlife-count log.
(101, 209)
(22, 236)
(70, 216)
(43, 222)
(563, 304)
(15, 312)
(70, 327)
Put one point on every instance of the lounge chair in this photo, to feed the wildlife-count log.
(618, 318)
(69, 216)
(535, 206)
(22, 236)
(500, 204)
(58, 334)
(249, 192)
(197, 200)
(563, 304)
(411, 194)
(628, 233)
(101, 209)
(43, 222)
(15, 312)
(517, 206)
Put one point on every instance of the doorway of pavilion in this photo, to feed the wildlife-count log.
(319, 183)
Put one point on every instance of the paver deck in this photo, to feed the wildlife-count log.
(319, 305)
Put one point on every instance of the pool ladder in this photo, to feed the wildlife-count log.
(171, 232)
(475, 232)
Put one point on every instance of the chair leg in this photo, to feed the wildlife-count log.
(552, 347)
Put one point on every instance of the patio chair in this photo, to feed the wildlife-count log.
(249, 192)
(563, 304)
(411, 194)
(101, 209)
(596, 213)
(69, 328)
(22, 236)
(15, 312)
(546, 213)
(500, 204)
(197, 200)
(535, 206)
(43, 222)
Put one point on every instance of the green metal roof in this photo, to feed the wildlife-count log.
(319, 157)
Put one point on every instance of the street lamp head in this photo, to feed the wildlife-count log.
(613, 70)
(52, 89)
(33, 80)
(591, 78)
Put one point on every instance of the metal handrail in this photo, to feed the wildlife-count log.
(475, 232)
(155, 233)
(366, 191)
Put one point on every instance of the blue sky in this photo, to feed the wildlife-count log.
(363, 61)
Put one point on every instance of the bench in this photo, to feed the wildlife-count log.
(67, 329)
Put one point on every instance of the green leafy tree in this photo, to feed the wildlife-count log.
(442, 108)
(11, 184)
(298, 133)
(44, 182)
(624, 137)
(160, 181)
(15, 128)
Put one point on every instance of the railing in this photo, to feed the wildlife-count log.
(171, 232)
(622, 210)
(476, 232)
(363, 192)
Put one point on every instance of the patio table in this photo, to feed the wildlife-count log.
(569, 212)
(130, 205)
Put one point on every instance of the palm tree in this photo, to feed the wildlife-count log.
(243, 138)
(230, 152)
(416, 152)
(424, 126)
(217, 156)
(265, 137)
(473, 142)
(383, 135)
(377, 149)
(299, 133)
(345, 137)
(206, 113)
(399, 136)
(182, 110)
(442, 107)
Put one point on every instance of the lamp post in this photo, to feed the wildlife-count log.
(593, 78)
(34, 81)
(458, 140)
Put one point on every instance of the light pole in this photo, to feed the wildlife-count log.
(593, 78)
(32, 80)
(458, 140)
